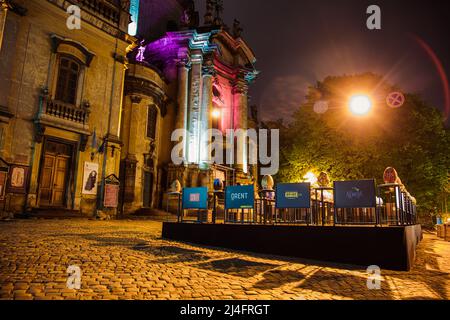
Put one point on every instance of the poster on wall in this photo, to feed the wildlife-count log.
(17, 182)
(90, 178)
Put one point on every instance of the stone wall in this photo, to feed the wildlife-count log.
(30, 64)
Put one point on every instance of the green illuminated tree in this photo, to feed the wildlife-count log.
(412, 139)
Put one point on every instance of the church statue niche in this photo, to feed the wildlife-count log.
(237, 29)
(217, 93)
(209, 18)
(219, 10)
(190, 18)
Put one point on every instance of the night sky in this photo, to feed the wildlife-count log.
(300, 42)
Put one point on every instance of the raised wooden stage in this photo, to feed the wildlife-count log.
(392, 248)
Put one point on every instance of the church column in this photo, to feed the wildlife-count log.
(133, 126)
(129, 164)
(183, 92)
(206, 113)
(3, 14)
(195, 95)
(240, 119)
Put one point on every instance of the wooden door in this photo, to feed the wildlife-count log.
(59, 181)
(53, 180)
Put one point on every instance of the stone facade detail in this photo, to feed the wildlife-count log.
(118, 118)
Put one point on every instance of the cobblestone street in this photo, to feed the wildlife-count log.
(128, 260)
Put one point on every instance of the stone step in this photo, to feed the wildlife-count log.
(50, 213)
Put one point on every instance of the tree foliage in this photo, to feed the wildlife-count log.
(412, 139)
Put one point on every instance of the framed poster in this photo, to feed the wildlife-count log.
(240, 197)
(111, 195)
(195, 198)
(293, 196)
(355, 194)
(18, 179)
(90, 178)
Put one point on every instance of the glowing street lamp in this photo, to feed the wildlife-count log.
(360, 105)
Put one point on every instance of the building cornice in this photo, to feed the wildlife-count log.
(138, 86)
(111, 27)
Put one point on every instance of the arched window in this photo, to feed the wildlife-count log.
(152, 119)
(67, 85)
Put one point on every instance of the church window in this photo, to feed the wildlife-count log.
(152, 117)
(67, 85)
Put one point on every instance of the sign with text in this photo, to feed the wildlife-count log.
(355, 194)
(240, 197)
(293, 196)
(111, 195)
(195, 198)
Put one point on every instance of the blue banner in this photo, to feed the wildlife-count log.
(240, 197)
(293, 196)
(355, 194)
(195, 198)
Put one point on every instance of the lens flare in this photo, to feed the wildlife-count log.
(311, 178)
(360, 105)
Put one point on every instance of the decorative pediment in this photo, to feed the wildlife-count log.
(73, 48)
(236, 46)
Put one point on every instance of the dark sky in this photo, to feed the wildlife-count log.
(298, 42)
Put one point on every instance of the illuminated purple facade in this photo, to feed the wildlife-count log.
(187, 73)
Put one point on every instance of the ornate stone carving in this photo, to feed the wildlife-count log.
(137, 86)
(209, 18)
(39, 132)
(237, 29)
(240, 87)
(135, 99)
(219, 10)
(57, 41)
(83, 142)
(189, 18)
(208, 68)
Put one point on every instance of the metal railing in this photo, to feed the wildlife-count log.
(394, 207)
(66, 112)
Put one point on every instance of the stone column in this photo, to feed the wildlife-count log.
(183, 92)
(206, 114)
(240, 119)
(3, 14)
(195, 94)
(133, 126)
(129, 163)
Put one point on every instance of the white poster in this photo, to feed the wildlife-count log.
(90, 178)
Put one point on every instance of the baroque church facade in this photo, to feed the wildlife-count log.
(87, 115)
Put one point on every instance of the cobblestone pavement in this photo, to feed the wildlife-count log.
(129, 260)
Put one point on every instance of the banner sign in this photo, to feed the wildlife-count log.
(355, 194)
(240, 197)
(195, 198)
(293, 196)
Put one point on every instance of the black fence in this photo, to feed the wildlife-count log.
(390, 206)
